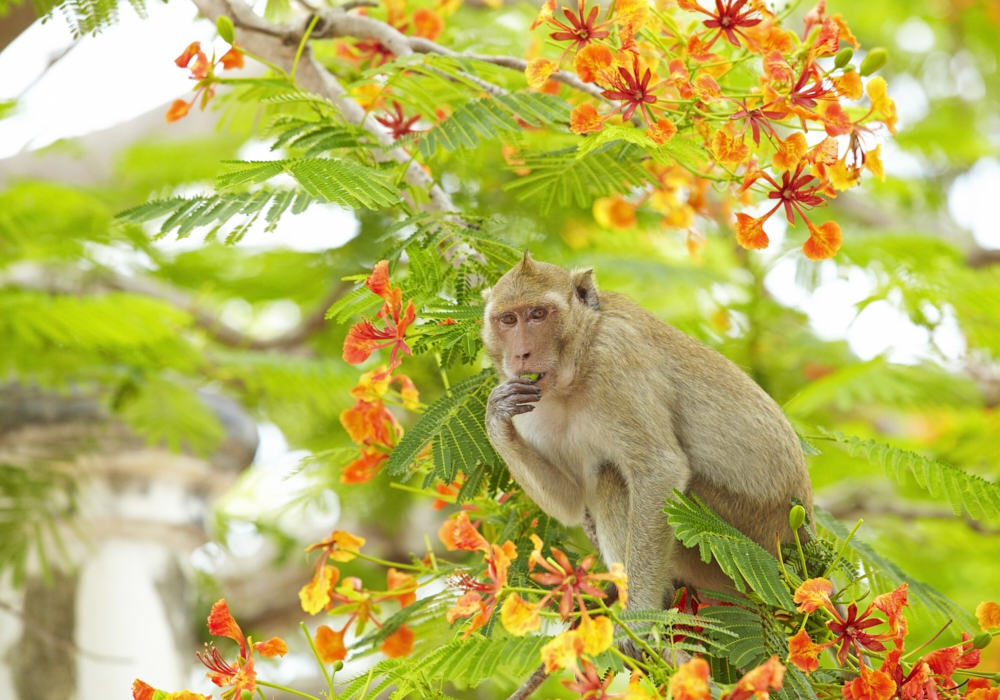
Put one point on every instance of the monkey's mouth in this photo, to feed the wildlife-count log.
(535, 377)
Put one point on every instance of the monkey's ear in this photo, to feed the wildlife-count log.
(526, 260)
(586, 288)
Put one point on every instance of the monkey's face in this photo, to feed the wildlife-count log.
(529, 317)
(527, 337)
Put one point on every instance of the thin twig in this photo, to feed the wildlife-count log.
(530, 685)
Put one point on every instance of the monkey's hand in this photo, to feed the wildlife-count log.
(512, 398)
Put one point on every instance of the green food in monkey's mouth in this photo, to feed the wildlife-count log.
(533, 376)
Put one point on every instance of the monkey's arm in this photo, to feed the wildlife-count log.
(544, 483)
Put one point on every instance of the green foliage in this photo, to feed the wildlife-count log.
(34, 502)
(977, 495)
(340, 181)
(166, 412)
(465, 663)
(490, 117)
(567, 176)
(739, 557)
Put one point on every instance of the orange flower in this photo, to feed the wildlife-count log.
(427, 23)
(848, 85)
(790, 152)
(364, 468)
(330, 644)
(275, 646)
(142, 691)
(690, 682)
(836, 121)
(178, 110)
(449, 492)
(662, 131)
(803, 652)
(222, 624)
(750, 232)
(472, 603)
(518, 616)
(614, 213)
(402, 586)
(399, 643)
(315, 595)
(232, 58)
(548, 9)
(538, 71)
(467, 605)
(981, 692)
(340, 545)
(988, 614)
(824, 240)
(875, 685)
(369, 423)
(562, 651)
(460, 533)
(591, 62)
(584, 118)
(569, 581)
(193, 50)
(812, 594)
(706, 87)
(729, 150)
(363, 338)
(240, 676)
(759, 682)
(892, 605)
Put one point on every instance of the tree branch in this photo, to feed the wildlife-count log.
(851, 504)
(530, 685)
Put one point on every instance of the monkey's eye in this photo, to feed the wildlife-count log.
(508, 319)
(537, 314)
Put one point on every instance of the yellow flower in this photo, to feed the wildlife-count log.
(519, 616)
(988, 614)
(790, 152)
(614, 213)
(597, 633)
(562, 651)
(729, 150)
(873, 162)
(316, 594)
(882, 104)
(538, 71)
(690, 682)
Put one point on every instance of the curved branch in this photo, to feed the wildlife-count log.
(530, 685)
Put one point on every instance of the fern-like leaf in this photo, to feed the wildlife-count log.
(976, 494)
(738, 556)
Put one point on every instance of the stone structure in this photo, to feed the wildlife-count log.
(119, 609)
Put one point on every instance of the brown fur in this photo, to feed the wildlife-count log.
(630, 409)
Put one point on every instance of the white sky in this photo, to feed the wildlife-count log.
(128, 70)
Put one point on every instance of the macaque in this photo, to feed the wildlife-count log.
(625, 409)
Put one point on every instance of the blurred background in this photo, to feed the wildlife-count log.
(168, 407)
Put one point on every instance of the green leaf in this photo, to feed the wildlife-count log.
(975, 493)
(738, 556)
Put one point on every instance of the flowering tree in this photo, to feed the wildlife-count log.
(683, 110)
(683, 114)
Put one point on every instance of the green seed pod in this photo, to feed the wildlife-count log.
(226, 30)
(533, 376)
(875, 59)
(797, 517)
(338, 665)
(843, 57)
(982, 640)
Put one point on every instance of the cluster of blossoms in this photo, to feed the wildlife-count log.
(793, 137)
(368, 422)
(423, 22)
(352, 599)
(928, 678)
(203, 72)
(239, 677)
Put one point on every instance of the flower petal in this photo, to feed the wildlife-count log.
(275, 646)
(399, 643)
(330, 644)
(518, 616)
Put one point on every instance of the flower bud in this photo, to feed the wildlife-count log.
(246, 695)
(875, 59)
(226, 30)
(982, 640)
(338, 665)
(843, 57)
(796, 517)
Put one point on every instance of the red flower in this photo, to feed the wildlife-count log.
(581, 30)
(851, 632)
(728, 17)
(397, 123)
(364, 338)
(632, 89)
(568, 582)
(240, 675)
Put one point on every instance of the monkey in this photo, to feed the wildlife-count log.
(625, 409)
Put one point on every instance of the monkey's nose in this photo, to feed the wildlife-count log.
(523, 356)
